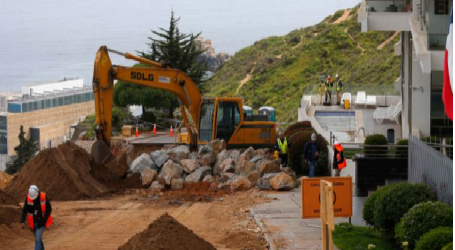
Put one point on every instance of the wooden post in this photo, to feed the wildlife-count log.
(327, 222)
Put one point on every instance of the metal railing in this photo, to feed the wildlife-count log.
(430, 166)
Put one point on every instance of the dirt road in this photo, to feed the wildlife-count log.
(108, 223)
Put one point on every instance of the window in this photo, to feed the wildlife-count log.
(206, 121)
(227, 120)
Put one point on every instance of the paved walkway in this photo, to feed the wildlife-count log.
(284, 229)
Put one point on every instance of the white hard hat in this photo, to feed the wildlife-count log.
(337, 75)
(336, 143)
(33, 192)
(313, 137)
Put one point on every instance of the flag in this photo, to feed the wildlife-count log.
(447, 88)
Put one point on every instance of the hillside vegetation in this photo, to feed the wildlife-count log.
(277, 70)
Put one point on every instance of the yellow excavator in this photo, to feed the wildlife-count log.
(211, 118)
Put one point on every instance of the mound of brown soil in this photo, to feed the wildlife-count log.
(67, 172)
(5, 179)
(166, 233)
(10, 211)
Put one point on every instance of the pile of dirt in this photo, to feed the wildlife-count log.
(5, 179)
(67, 172)
(10, 211)
(166, 233)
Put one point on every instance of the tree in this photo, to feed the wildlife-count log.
(174, 49)
(24, 151)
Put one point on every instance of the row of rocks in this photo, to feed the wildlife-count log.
(230, 170)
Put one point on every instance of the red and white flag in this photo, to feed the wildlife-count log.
(447, 88)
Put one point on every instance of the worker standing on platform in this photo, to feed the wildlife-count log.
(339, 89)
(329, 86)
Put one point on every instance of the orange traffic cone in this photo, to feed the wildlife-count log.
(154, 129)
(171, 134)
(137, 132)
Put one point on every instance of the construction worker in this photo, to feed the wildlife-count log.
(339, 161)
(321, 91)
(37, 209)
(282, 146)
(339, 88)
(311, 154)
(329, 86)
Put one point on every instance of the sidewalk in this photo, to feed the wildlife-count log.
(284, 229)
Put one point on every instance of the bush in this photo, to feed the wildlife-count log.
(297, 162)
(435, 239)
(375, 140)
(299, 126)
(402, 152)
(448, 246)
(370, 206)
(396, 201)
(420, 219)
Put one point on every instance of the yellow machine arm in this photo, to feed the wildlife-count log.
(172, 80)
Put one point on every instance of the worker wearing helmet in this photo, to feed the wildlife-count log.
(339, 89)
(339, 161)
(37, 209)
(329, 86)
(282, 146)
(311, 154)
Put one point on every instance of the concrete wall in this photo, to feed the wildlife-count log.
(53, 123)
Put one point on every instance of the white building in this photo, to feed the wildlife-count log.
(424, 28)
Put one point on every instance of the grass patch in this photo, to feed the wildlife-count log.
(348, 237)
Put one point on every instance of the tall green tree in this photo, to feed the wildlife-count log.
(174, 49)
(24, 151)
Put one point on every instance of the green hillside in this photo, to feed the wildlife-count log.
(277, 70)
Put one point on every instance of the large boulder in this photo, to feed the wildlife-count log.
(289, 171)
(171, 171)
(189, 165)
(240, 184)
(177, 183)
(199, 174)
(179, 153)
(282, 182)
(148, 176)
(269, 167)
(142, 162)
(222, 156)
(193, 156)
(227, 166)
(248, 154)
(253, 177)
(234, 154)
(206, 156)
(227, 176)
(217, 145)
(157, 186)
(245, 167)
(159, 157)
(264, 182)
(208, 178)
(256, 159)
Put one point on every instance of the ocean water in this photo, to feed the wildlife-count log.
(47, 40)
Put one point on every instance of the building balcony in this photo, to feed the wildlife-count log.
(385, 15)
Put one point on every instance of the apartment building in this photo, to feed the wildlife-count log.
(423, 27)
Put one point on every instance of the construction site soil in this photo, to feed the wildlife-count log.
(166, 233)
(68, 172)
(10, 211)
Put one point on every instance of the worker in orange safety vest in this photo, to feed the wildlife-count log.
(37, 210)
(339, 161)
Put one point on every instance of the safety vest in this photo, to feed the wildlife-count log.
(341, 165)
(339, 87)
(329, 86)
(283, 146)
(321, 88)
(43, 210)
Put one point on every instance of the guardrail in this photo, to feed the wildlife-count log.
(430, 166)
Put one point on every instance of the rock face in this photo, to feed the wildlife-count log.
(142, 162)
(199, 174)
(282, 182)
(264, 182)
(189, 165)
(179, 153)
(269, 167)
(177, 183)
(159, 157)
(171, 171)
(240, 184)
(245, 168)
(148, 176)
(206, 156)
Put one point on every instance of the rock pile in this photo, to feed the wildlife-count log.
(229, 170)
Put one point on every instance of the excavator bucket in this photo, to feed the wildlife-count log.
(101, 153)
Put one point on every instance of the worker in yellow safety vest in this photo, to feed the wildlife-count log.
(329, 85)
(282, 146)
(339, 88)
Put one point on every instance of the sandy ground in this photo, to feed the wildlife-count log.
(107, 223)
